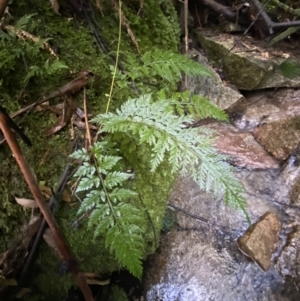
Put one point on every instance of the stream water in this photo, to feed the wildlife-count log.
(201, 261)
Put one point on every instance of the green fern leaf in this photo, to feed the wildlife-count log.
(80, 154)
(121, 194)
(169, 65)
(185, 147)
(289, 68)
(197, 105)
(115, 178)
(91, 201)
(88, 182)
(125, 240)
(105, 202)
(85, 169)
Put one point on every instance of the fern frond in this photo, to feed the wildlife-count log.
(80, 154)
(121, 194)
(88, 182)
(186, 148)
(91, 201)
(125, 240)
(115, 178)
(105, 201)
(198, 106)
(169, 65)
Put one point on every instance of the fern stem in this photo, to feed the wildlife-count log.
(117, 58)
(105, 191)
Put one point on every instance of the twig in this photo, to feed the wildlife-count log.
(252, 23)
(53, 200)
(126, 23)
(186, 31)
(59, 238)
(202, 219)
(270, 24)
(71, 87)
(3, 4)
(22, 34)
(13, 126)
(264, 15)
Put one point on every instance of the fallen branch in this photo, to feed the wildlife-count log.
(3, 4)
(53, 200)
(221, 9)
(71, 87)
(229, 14)
(13, 126)
(59, 238)
(270, 24)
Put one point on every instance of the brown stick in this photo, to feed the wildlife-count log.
(3, 4)
(60, 240)
(71, 87)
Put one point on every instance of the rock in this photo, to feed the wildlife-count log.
(248, 70)
(295, 192)
(288, 262)
(280, 138)
(201, 262)
(212, 87)
(260, 240)
(265, 107)
(241, 148)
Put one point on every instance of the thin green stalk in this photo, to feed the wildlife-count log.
(117, 58)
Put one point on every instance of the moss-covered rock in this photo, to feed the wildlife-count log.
(76, 48)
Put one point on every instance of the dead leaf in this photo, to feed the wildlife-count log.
(22, 292)
(93, 278)
(80, 124)
(55, 6)
(97, 282)
(15, 256)
(49, 239)
(66, 115)
(41, 108)
(27, 203)
(46, 191)
(4, 282)
(66, 196)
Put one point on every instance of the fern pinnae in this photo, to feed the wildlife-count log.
(107, 205)
(162, 125)
(170, 137)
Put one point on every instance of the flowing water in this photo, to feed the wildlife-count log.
(201, 260)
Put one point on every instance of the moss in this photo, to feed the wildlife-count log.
(113, 293)
(48, 156)
(153, 189)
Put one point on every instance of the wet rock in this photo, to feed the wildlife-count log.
(248, 70)
(265, 107)
(280, 138)
(288, 262)
(248, 114)
(212, 87)
(295, 192)
(260, 240)
(197, 271)
(201, 261)
(265, 187)
(242, 148)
